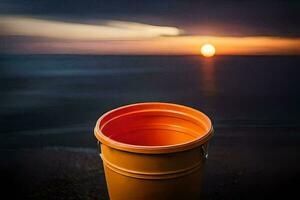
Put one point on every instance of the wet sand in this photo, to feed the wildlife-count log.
(244, 163)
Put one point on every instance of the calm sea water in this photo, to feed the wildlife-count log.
(50, 103)
(58, 94)
(57, 91)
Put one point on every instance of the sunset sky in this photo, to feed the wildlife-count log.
(152, 27)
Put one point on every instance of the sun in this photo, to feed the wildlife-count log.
(208, 50)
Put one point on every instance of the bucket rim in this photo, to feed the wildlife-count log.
(198, 141)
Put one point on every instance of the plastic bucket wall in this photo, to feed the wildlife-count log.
(153, 151)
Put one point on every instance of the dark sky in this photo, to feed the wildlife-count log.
(236, 18)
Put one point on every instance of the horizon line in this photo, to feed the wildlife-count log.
(198, 55)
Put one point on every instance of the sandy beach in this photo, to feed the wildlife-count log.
(243, 164)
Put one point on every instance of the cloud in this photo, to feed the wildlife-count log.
(108, 30)
(178, 45)
(122, 37)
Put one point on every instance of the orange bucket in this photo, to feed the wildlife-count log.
(153, 151)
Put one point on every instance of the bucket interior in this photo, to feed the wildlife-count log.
(154, 127)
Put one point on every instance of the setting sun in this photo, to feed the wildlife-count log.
(208, 50)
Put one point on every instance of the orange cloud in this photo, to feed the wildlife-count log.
(171, 45)
(119, 37)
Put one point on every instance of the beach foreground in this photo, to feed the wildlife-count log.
(243, 164)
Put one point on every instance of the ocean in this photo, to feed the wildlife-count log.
(49, 105)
